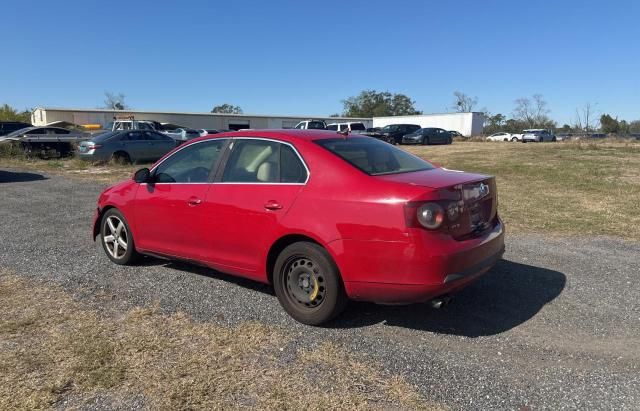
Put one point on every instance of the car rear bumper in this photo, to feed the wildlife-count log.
(412, 275)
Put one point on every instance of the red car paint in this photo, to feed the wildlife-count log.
(358, 218)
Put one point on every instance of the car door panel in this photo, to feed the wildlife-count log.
(170, 215)
(244, 210)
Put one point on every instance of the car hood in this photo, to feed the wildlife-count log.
(434, 178)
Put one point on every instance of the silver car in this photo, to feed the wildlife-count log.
(127, 146)
(537, 135)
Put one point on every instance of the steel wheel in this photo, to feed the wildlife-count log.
(305, 282)
(116, 239)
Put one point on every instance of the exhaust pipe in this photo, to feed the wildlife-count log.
(440, 302)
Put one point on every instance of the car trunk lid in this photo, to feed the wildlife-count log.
(475, 196)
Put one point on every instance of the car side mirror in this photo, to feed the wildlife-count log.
(142, 176)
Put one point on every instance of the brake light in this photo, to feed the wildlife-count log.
(431, 215)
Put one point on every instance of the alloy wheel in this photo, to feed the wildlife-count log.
(116, 238)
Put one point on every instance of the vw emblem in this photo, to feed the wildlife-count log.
(484, 190)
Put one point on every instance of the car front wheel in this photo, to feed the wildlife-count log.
(116, 238)
(307, 283)
(514, 139)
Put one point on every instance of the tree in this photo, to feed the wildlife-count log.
(493, 123)
(609, 124)
(533, 113)
(8, 113)
(370, 103)
(463, 103)
(634, 126)
(586, 119)
(114, 101)
(227, 109)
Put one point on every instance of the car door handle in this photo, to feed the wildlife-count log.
(194, 201)
(272, 205)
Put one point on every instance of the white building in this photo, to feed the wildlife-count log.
(42, 116)
(467, 124)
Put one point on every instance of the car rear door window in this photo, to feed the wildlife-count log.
(192, 164)
(264, 161)
(292, 169)
(253, 161)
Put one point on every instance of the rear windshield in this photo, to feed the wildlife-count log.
(357, 126)
(373, 156)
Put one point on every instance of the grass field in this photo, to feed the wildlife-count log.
(574, 188)
(56, 352)
(563, 188)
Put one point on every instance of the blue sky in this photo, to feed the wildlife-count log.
(303, 58)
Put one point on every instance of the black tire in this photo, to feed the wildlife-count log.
(450, 141)
(308, 284)
(130, 256)
(554, 139)
(514, 139)
(120, 157)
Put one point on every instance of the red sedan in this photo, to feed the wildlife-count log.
(323, 217)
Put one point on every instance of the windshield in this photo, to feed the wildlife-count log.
(19, 132)
(373, 156)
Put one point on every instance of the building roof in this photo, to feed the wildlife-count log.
(124, 112)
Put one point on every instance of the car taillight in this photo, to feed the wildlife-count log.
(428, 215)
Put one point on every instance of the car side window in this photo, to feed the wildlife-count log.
(134, 136)
(291, 168)
(192, 164)
(152, 135)
(253, 161)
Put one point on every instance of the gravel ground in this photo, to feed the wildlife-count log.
(555, 325)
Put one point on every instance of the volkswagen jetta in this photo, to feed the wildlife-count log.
(323, 217)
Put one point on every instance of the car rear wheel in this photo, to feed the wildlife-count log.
(116, 238)
(307, 284)
(514, 139)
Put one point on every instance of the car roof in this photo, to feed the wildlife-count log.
(287, 135)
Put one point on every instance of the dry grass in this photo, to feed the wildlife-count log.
(55, 351)
(108, 173)
(574, 188)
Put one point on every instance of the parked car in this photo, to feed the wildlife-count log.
(46, 141)
(564, 136)
(503, 136)
(126, 146)
(132, 124)
(206, 131)
(265, 205)
(537, 135)
(393, 133)
(182, 134)
(7, 127)
(429, 135)
(311, 125)
(350, 126)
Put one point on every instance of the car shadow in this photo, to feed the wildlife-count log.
(19, 176)
(509, 295)
(208, 272)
